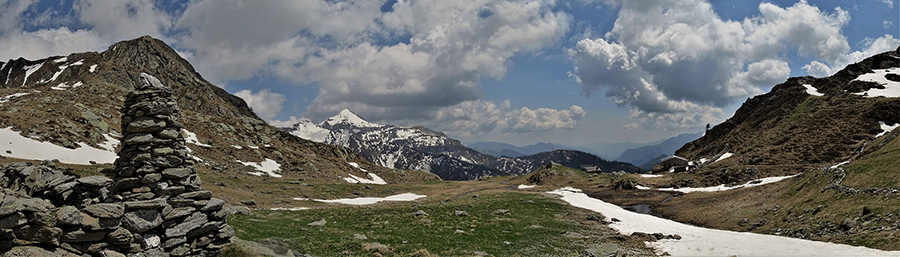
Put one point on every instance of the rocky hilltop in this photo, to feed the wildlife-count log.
(804, 122)
(419, 148)
(67, 107)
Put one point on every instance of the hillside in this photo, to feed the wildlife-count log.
(67, 108)
(419, 148)
(806, 122)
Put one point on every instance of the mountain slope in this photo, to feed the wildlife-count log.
(70, 105)
(502, 149)
(419, 148)
(806, 122)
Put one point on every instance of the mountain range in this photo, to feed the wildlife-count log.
(419, 148)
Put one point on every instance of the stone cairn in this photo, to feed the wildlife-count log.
(153, 207)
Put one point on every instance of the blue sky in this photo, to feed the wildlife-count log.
(520, 72)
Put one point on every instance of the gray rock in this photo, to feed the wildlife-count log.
(360, 237)
(200, 195)
(214, 204)
(42, 234)
(145, 125)
(460, 213)
(33, 251)
(230, 210)
(206, 228)
(151, 178)
(138, 139)
(80, 235)
(68, 215)
(96, 181)
(420, 213)
(176, 172)
(12, 221)
(168, 133)
(141, 220)
(574, 235)
(319, 223)
(146, 204)
(163, 151)
(194, 221)
(172, 242)
(179, 212)
(248, 202)
(105, 210)
(111, 253)
(91, 223)
(120, 236)
(501, 212)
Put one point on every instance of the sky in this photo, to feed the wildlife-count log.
(521, 72)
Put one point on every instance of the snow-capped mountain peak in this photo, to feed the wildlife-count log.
(348, 117)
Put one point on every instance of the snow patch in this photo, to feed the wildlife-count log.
(14, 145)
(722, 187)
(60, 60)
(354, 179)
(192, 138)
(9, 97)
(812, 91)
(29, 70)
(526, 186)
(237, 146)
(93, 67)
(268, 166)
(725, 155)
(371, 200)
(840, 164)
(305, 129)
(79, 62)
(886, 128)
(697, 241)
(891, 88)
(651, 175)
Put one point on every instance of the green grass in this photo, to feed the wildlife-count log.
(877, 169)
(533, 228)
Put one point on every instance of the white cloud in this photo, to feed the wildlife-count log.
(871, 47)
(887, 24)
(676, 63)
(265, 103)
(889, 3)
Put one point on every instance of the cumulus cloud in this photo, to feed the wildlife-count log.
(871, 47)
(889, 3)
(676, 63)
(265, 103)
(485, 117)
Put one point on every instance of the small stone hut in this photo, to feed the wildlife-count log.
(675, 161)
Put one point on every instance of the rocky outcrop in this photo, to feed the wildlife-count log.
(154, 206)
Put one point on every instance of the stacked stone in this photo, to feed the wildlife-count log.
(164, 205)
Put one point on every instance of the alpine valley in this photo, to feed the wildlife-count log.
(419, 148)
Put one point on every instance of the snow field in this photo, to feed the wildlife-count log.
(886, 128)
(354, 179)
(192, 138)
(697, 241)
(371, 200)
(725, 155)
(812, 91)
(14, 145)
(891, 88)
(267, 167)
(722, 187)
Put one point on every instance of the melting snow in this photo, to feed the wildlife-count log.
(29, 70)
(192, 138)
(526, 186)
(812, 91)
(305, 129)
(886, 128)
(651, 175)
(237, 146)
(891, 88)
(26, 148)
(725, 155)
(697, 241)
(7, 98)
(268, 166)
(371, 200)
(840, 164)
(60, 60)
(354, 179)
(722, 187)
(93, 67)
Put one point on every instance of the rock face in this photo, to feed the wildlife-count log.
(154, 206)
